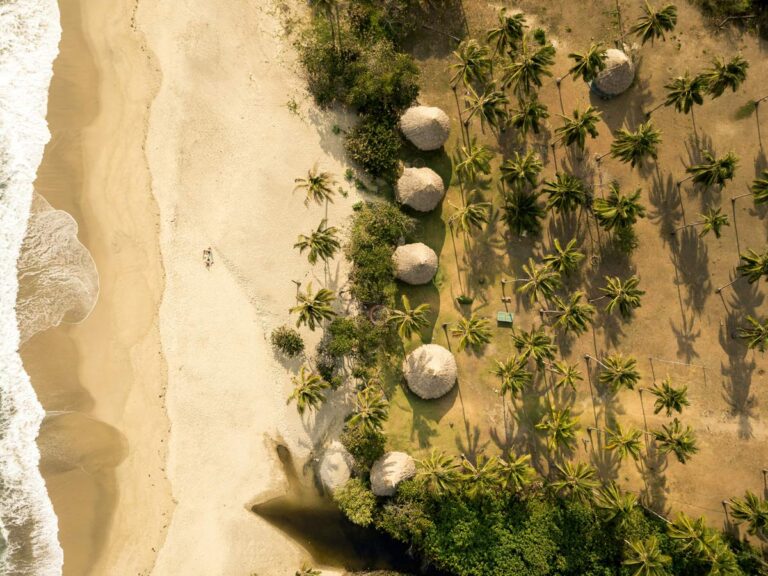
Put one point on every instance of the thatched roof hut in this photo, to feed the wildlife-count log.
(420, 188)
(389, 470)
(618, 75)
(426, 127)
(335, 466)
(415, 263)
(430, 371)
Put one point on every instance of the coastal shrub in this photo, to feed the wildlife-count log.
(374, 144)
(287, 341)
(357, 338)
(356, 501)
(365, 446)
(376, 229)
(367, 73)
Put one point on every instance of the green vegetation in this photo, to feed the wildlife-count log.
(376, 229)
(287, 341)
(357, 501)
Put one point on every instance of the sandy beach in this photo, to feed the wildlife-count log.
(171, 133)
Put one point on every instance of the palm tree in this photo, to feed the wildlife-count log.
(572, 315)
(759, 189)
(534, 344)
(755, 333)
(509, 31)
(576, 481)
(525, 74)
(713, 221)
(560, 428)
(308, 390)
(317, 186)
(490, 107)
(713, 170)
(321, 243)
(529, 115)
(312, 308)
(753, 511)
(684, 92)
(438, 472)
(616, 505)
(514, 376)
(522, 170)
(409, 320)
(635, 147)
(618, 371)
(371, 409)
(625, 442)
(473, 64)
(655, 23)
(753, 265)
(564, 260)
(575, 130)
(472, 332)
(589, 64)
(566, 192)
(473, 160)
(523, 213)
(618, 210)
(669, 398)
(540, 280)
(724, 75)
(624, 295)
(693, 535)
(470, 217)
(515, 472)
(673, 438)
(567, 374)
(646, 558)
(480, 476)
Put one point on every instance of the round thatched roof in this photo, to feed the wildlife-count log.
(415, 263)
(430, 371)
(426, 127)
(420, 188)
(335, 466)
(389, 470)
(618, 74)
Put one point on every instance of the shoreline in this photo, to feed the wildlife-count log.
(106, 451)
(134, 161)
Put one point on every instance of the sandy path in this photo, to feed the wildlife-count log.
(224, 149)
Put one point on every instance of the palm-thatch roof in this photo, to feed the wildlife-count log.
(389, 470)
(420, 188)
(415, 263)
(430, 371)
(618, 75)
(426, 127)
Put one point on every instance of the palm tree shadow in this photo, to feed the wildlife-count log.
(482, 261)
(691, 260)
(737, 375)
(606, 462)
(655, 490)
(665, 202)
(686, 338)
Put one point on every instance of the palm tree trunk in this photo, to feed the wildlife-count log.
(757, 120)
(645, 420)
(560, 96)
(461, 116)
(592, 393)
(718, 290)
(735, 224)
(652, 110)
(456, 256)
(695, 132)
(554, 156)
(618, 14)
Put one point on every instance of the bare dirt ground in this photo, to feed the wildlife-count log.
(682, 319)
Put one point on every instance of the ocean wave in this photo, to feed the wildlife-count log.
(29, 38)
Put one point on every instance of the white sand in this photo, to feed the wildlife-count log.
(223, 150)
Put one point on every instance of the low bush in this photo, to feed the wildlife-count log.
(375, 145)
(356, 501)
(376, 229)
(287, 341)
(365, 446)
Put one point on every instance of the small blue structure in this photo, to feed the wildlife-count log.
(505, 319)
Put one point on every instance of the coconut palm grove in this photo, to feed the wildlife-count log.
(551, 338)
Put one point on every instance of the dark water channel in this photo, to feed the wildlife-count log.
(316, 523)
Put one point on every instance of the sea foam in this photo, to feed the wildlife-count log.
(29, 38)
